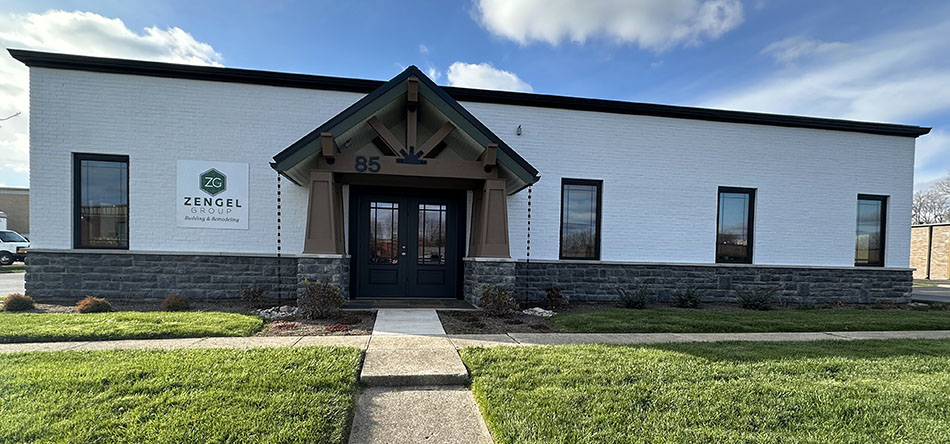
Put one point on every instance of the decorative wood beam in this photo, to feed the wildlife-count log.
(329, 147)
(439, 168)
(490, 157)
(413, 90)
(412, 99)
(385, 134)
(382, 147)
(439, 136)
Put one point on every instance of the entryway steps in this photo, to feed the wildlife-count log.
(402, 361)
(409, 348)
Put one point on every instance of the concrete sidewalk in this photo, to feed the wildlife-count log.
(414, 385)
(462, 341)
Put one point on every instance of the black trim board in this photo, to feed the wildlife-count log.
(291, 80)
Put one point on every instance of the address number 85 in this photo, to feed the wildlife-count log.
(364, 164)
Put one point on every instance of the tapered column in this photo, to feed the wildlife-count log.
(324, 215)
(493, 221)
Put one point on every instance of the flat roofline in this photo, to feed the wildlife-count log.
(291, 80)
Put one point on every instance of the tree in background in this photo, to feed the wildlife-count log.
(933, 205)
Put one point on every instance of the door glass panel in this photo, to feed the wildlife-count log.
(431, 234)
(384, 232)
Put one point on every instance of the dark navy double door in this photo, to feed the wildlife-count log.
(407, 243)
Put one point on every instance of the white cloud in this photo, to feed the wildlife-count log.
(423, 49)
(931, 162)
(898, 76)
(433, 73)
(651, 24)
(894, 77)
(485, 76)
(82, 33)
(793, 48)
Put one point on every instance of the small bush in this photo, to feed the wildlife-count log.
(17, 302)
(756, 299)
(254, 296)
(91, 304)
(634, 299)
(554, 298)
(497, 301)
(175, 302)
(688, 298)
(319, 300)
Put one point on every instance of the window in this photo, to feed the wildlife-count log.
(432, 220)
(101, 207)
(11, 236)
(734, 225)
(869, 240)
(580, 219)
(384, 232)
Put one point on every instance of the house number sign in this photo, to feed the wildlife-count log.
(367, 164)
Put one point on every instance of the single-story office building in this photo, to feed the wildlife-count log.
(154, 178)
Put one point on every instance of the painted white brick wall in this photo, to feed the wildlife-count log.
(660, 175)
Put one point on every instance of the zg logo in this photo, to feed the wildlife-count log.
(213, 182)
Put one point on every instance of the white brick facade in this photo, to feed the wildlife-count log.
(660, 175)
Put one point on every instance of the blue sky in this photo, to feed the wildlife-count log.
(865, 60)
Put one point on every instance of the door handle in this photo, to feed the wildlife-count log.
(403, 253)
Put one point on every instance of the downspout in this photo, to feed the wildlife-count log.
(930, 246)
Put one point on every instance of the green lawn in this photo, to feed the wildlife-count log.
(47, 327)
(924, 284)
(277, 395)
(15, 268)
(702, 321)
(821, 392)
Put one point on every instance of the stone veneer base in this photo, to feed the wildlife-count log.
(73, 275)
(599, 281)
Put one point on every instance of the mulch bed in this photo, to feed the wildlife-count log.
(345, 324)
(477, 322)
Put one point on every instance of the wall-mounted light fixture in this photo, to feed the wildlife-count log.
(518, 131)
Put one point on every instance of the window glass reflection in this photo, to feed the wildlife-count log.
(103, 204)
(384, 232)
(432, 221)
(868, 247)
(579, 227)
(734, 234)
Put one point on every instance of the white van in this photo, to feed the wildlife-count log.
(12, 247)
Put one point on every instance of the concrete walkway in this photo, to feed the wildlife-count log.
(414, 385)
(462, 341)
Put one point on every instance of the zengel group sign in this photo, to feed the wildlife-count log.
(212, 194)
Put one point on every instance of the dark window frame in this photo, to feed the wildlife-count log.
(77, 197)
(751, 228)
(883, 221)
(599, 185)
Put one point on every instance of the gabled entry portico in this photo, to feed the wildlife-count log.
(403, 184)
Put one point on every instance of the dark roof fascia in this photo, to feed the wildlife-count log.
(257, 77)
(335, 120)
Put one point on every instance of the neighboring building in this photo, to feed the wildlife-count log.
(15, 202)
(930, 251)
(153, 178)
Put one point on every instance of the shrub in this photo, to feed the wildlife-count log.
(91, 304)
(554, 297)
(756, 299)
(17, 302)
(175, 302)
(634, 299)
(497, 301)
(688, 298)
(320, 300)
(254, 296)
